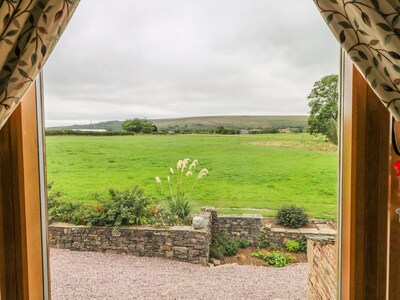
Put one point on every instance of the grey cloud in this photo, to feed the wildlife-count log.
(170, 58)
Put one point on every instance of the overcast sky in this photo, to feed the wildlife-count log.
(174, 58)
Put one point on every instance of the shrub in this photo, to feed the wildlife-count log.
(243, 243)
(64, 211)
(70, 212)
(128, 207)
(179, 207)
(292, 216)
(223, 245)
(164, 219)
(262, 242)
(274, 247)
(303, 245)
(276, 259)
(292, 246)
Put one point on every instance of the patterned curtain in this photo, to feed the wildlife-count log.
(369, 30)
(29, 30)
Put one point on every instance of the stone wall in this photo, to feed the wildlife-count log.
(321, 255)
(253, 226)
(182, 243)
(245, 226)
(179, 242)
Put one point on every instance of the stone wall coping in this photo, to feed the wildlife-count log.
(136, 227)
(323, 239)
(242, 216)
(208, 209)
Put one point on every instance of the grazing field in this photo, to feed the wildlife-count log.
(246, 171)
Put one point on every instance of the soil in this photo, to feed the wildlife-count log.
(244, 258)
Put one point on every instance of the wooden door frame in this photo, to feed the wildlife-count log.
(364, 189)
(23, 214)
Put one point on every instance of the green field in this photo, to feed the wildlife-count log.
(246, 171)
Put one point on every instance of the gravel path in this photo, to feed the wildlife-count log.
(90, 275)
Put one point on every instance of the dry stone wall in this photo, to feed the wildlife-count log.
(245, 226)
(182, 243)
(321, 256)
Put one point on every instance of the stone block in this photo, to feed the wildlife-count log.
(180, 249)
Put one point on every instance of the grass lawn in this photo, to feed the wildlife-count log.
(246, 171)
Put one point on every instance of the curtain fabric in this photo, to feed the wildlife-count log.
(369, 30)
(29, 30)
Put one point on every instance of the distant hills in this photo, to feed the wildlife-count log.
(236, 122)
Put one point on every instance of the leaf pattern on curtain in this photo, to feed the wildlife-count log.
(369, 30)
(29, 30)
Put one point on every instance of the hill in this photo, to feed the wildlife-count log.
(207, 122)
(234, 122)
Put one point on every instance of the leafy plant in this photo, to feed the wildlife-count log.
(223, 245)
(64, 211)
(262, 242)
(242, 243)
(276, 259)
(164, 219)
(128, 207)
(274, 247)
(303, 245)
(292, 246)
(180, 187)
(292, 216)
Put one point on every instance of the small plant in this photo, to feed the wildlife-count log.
(275, 259)
(274, 247)
(262, 242)
(243, 243)
(164, 219)
(303, 245)
(292, 246)
(292, 216)
(180, 187)
(223, 245)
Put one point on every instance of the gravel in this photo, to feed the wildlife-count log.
(90, 275)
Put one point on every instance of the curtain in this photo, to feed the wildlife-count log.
(369, 30)
(29, 30)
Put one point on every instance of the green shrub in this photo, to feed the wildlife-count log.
(243, 243)
(303, 245)
(129, 207)
(292, 216)
(274, 247)
(179, 207)
(276, 259)
(262, 242)
(292, 246)
(164, 219)
(70, 212)
(223, 245)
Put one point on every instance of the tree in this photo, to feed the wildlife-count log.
(323, 102)
(138, 126)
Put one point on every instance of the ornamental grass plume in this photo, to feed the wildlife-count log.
(181, 187)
